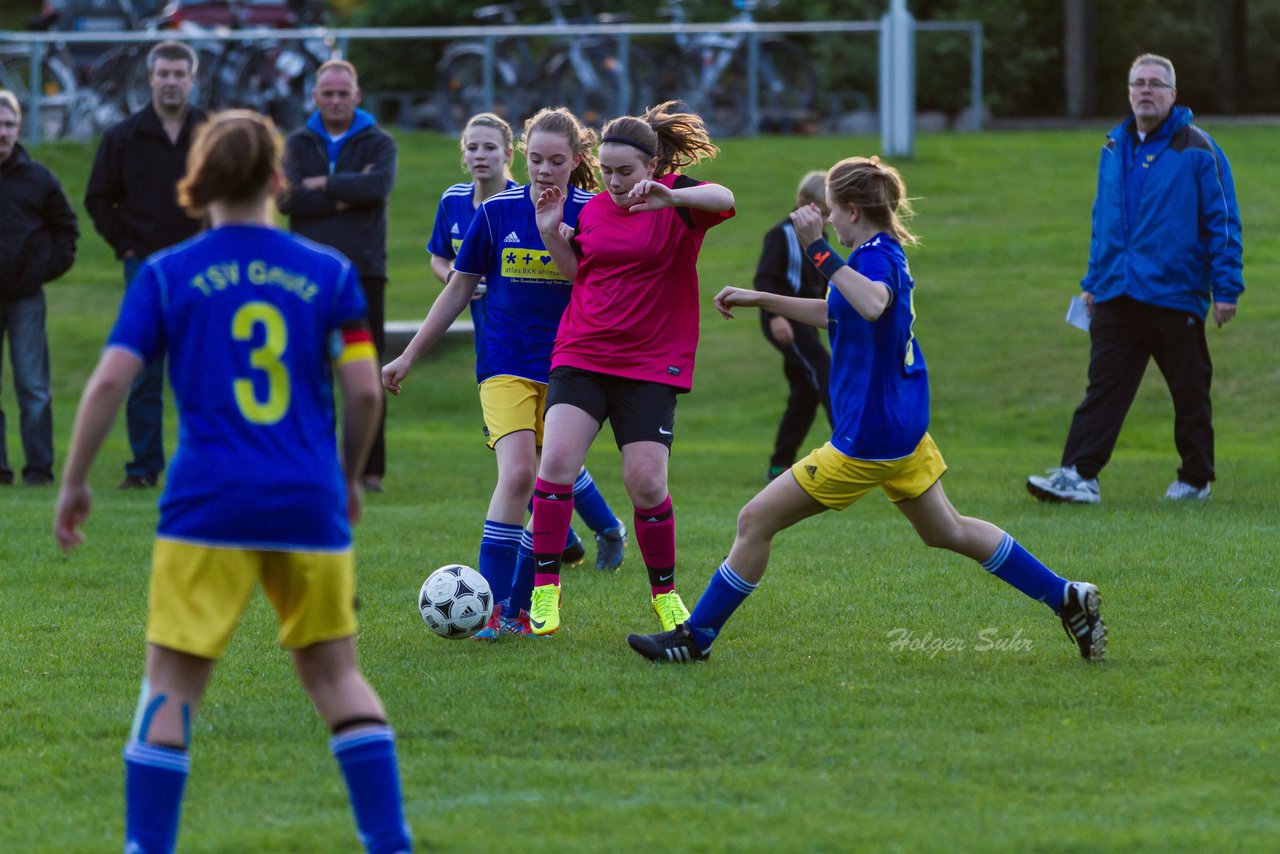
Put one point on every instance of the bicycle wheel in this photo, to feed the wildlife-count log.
(788, 86)
(460, 89)
(58, 106)
(722, 102)
(594, 102)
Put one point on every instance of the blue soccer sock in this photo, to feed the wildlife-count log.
(722, 597)
(1014, 565)
(522, 589)
(154, 778)
(367, 757)
(498, 550)
(591, 506)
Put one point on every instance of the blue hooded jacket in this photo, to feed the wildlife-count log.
(1166, 225)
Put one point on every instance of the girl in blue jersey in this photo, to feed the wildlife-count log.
(524, 299)
(255, 323)
(880, 404)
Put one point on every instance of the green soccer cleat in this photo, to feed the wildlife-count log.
(544, 613)
(670, 610)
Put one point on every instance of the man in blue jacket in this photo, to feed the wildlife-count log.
(1166, 249)
(339, 170)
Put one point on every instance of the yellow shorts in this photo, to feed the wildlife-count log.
(836, 481)
(198, 593)
(511, 404)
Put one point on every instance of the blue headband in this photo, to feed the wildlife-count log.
(622, 140)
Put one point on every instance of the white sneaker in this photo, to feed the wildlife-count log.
(1182, 491)
(1064, 484)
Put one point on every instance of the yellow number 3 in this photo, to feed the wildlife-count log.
(265, 358)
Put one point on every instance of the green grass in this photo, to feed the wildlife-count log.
(806, 730)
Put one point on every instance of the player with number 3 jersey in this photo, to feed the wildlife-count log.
(255, 323)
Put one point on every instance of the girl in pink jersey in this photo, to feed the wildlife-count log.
(626, 342)
(523, 303)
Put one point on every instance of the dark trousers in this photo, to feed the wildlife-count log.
(144, 411)
(1125, 335)
(23, 323)
(807, 366)
(375, 292)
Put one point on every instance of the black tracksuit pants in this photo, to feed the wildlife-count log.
(807, 367)
(1125, 335)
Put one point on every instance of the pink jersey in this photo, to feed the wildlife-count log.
(634, 309)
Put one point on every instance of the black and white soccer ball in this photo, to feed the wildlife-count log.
(455, 601)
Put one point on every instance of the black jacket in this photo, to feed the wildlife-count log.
(38, 229)
(784, 269)
(362, 178)
(132, 194)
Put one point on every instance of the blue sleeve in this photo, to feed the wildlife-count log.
(1220, 227)
(140, 325)
(878, 266)
(349, 303)
(1087, 284)
(475, 256)
(440, 243)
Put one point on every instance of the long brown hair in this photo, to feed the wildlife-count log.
(582, 140)
(677, 140)
(877, 190)
(232, 159)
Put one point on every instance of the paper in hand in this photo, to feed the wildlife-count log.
(1078, 315)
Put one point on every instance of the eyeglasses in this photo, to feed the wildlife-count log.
(1153, 85)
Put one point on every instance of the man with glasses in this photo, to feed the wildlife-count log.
(1166, 250)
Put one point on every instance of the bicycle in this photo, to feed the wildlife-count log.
(63, 108)
(584, 73)
(272, 77)
(712, 77)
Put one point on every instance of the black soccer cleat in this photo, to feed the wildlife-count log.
(574, 552)
(674, 647)
(1082, 619)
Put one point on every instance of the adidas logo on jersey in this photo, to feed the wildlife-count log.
(811, 470)
(511, 238)
(454, 229)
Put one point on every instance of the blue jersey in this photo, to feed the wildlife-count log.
(879, 384)
(526, 294)
(249, 317)
(453, 218)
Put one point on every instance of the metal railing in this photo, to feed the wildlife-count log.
(38, 43)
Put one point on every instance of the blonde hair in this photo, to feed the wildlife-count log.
(342, 64)
(1156, 59)
(812, 188)
(488, 120)
(10, 100)
(232, 159)
(581, 139)
(677, 140)
(877, 190)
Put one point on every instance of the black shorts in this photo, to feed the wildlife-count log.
(638, 410)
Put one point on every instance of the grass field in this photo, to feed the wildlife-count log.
(809, 729)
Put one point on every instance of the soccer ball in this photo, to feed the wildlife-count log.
(455, 601)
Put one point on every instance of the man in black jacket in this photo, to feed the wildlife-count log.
(339, 170)
(806, 364)
(37, 245)
(133, 200)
